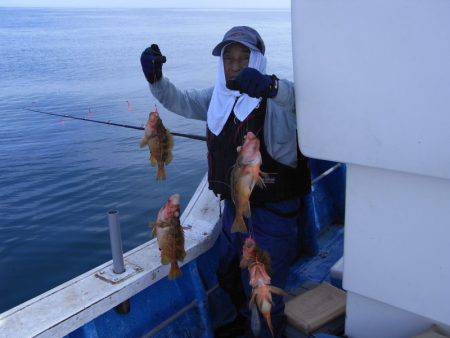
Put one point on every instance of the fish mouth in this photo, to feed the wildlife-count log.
(175, 199)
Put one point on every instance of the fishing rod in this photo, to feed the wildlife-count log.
(194, 137)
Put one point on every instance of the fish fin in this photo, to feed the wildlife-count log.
(278, 291)
(260, 183)
(265, 259)
(252, 300)
(144, 142)
(174, 270)
(164, 259)
(152, 224)
(247, 213)
(180, 252)
(183, 255)
(169, 140)
(263, 174)
(169, 158)
(269, 322)
(177, 240)
(239, 225)
(232, 183)
(161, 174)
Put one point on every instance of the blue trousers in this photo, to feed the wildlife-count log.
(275, 233)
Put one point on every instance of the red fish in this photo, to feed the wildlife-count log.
(258, 263)
(170, 235)
(251, 253)
(245, 175)
(160, 143)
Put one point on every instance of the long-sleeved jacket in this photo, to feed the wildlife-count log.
(280, 126)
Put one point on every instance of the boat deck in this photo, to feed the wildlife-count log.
(316, 269)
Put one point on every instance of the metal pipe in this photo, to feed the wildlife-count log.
(325, 173)
(116, 241)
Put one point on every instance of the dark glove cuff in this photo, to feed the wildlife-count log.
(273, 87)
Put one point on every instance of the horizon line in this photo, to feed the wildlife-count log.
(106, 7)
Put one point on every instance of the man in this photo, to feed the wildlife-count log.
(244, 99)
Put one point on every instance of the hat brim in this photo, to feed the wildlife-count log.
(218, 49)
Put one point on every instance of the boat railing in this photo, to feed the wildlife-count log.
(67, 307)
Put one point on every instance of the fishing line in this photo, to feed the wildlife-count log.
(250, 225)
(190, 136)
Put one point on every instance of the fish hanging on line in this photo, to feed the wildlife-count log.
(129, 105)
(245, 175)
(170, 235)
(160, 143)
(258, 263)
(250, 252)
(90, 113)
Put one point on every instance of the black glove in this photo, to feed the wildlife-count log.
(251, 82)
(151, 61)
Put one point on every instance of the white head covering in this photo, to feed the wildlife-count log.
(223, 99)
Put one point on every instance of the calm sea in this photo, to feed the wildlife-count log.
(58, 178)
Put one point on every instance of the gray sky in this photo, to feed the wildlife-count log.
(285, 4)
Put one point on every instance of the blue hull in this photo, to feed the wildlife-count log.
(192, 305)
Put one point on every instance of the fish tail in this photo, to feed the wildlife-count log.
(174, 270)
(269, 322)
(239, 225)
(169, 140)
(161, 174)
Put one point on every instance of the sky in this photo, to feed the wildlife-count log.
(282, 4)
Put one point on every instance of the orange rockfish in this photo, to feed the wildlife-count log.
(170, 235)
(262, 293)
(258, 262)
(252, 253)
(160, 143)
(246, 173)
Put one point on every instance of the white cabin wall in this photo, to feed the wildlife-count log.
(372, 87)
(397, 240)
(368, 318)
(372, 82)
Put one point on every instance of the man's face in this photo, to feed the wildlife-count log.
(235, 58)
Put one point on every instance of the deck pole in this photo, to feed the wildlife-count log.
(116, 241)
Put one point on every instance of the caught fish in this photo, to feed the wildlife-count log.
(262, 292)
(170, 235)
(258, 274)
(160, 143)
(252, 252)
(245, 175)
(258, 263)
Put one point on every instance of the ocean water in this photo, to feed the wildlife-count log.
(59, 177)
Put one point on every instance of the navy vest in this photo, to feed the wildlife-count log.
(282, 183)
